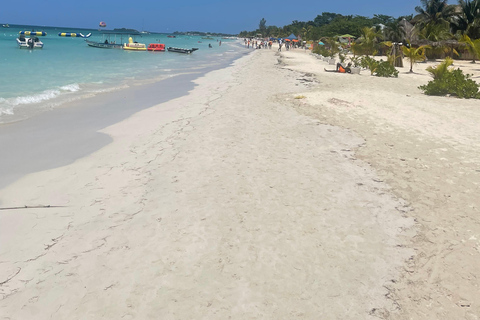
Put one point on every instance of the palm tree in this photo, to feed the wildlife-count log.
(414, 54)
(394, 32)
(436, 11)
(332, 45)
(306, 32)
(262, 27)
(436, 35)
(368, 40)
(473, 46)
(468, 20)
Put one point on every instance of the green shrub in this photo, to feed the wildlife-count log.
(378, 68)
(453, 82)
(438, 71)
(321, 50)
(369, 63)
(386, 69)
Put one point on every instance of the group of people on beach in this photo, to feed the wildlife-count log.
(258, 44)
(264, 44)
(288, 45)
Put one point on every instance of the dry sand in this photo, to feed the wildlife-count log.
(271, 191)
(427, 149)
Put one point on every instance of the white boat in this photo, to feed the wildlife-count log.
(30, 43)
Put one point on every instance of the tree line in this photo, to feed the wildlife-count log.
(435, 20)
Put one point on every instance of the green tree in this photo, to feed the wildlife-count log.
(473, 46)
(436, 11)
(383, 19)
(306, 32)
(368, 41)
(436, 34)
(325, 18)
(394, 32)
(332, 46)
(262, 27)
(467, 21)
(414, 55)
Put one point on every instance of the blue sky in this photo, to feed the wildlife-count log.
(188, 15)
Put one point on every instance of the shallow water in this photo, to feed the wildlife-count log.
(67, 69)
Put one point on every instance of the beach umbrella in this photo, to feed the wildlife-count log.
(102, 24)
(347, 36)
(295, 40)
(287, 39)
(321, 43)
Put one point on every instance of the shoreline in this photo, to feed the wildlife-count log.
(270, 190)
(33, 144)
(54, 84)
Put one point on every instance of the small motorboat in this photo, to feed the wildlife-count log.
(31, 43)
(134, 46)
(104, 45)
(156, 47)
(181, 50)
(171, 36)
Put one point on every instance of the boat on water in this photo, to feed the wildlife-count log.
(30, 43)
(181, 50)
(134, 46)
(156, 47)
(104, 45)
(6, 25)
(171, 36)
(112, 39)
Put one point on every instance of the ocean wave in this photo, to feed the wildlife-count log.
(40, 97)
(45, 95)
(74, 87)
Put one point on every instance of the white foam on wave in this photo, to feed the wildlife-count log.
(42, 96)
(4, 109)
(45, 95)
(74, 87)
(46, 99)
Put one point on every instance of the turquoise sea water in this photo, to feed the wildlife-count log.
(67, 69)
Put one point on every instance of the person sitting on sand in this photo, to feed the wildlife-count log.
(340, 68)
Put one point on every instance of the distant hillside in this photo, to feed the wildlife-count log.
(198, 33)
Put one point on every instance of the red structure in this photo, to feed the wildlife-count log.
(156, 47)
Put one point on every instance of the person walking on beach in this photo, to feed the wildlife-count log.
(280, 45)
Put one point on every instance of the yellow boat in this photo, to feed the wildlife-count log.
(134, 45)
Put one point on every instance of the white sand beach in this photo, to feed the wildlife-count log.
(273, 190)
